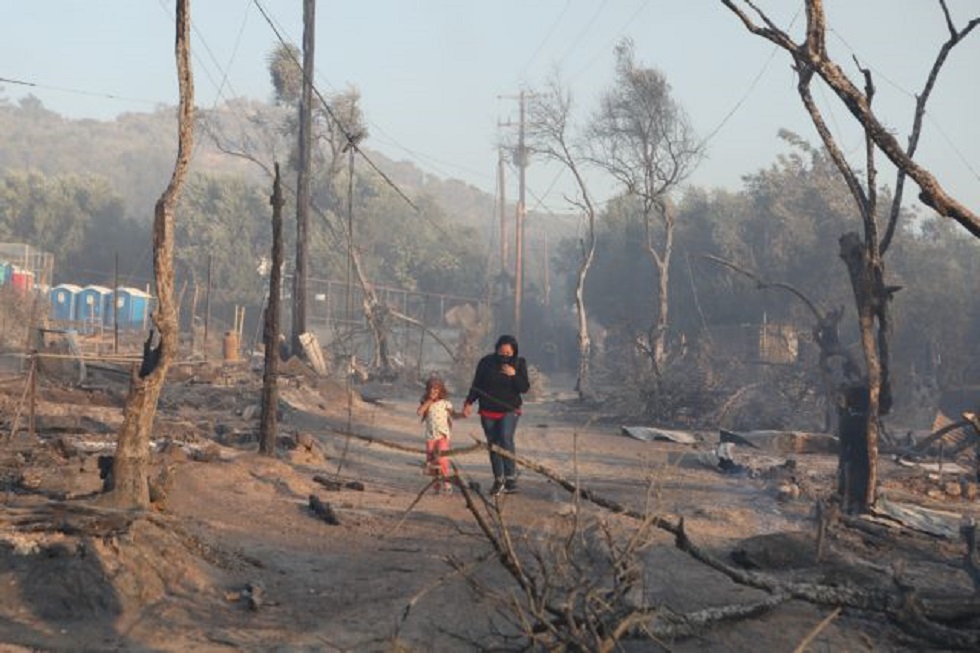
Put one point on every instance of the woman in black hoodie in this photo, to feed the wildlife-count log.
(499, 382)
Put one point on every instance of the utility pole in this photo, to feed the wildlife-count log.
(521, 160)
(519, 228)
(502, 186)
(303, 177)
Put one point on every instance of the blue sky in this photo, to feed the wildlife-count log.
(432, 72)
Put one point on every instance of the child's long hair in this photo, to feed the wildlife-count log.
(441, 392)
(436, 383)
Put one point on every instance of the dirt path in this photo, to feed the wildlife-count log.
(243, 521)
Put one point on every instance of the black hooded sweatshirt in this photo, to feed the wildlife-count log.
(497, 392)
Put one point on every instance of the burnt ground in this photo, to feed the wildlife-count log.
(231, 557)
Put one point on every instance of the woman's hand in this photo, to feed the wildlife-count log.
(508, 370)
(467, 409)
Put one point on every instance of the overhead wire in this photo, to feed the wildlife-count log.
(351, 138)
(745, 96)
(76, 91)
(901, 89)
(618, 34)
(547, 37)
(583, 32)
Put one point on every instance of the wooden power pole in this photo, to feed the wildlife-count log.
(303, 177)
(521, 214)
(502, 186)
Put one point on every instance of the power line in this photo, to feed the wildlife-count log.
(350, 138)
(913, 96)
(76, 91)
(618, 34)
(748, 91)
(537, 51)
(952, 145)
(584, 31)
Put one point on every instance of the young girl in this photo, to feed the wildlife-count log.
(437, 414)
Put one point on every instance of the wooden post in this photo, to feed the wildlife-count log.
(31, 420)
(425, 306)
(115, 309)
(207, 307)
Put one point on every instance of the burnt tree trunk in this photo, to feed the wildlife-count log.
(657, 335)
(129, 471)
(856, 470)
(871, 300)
(270, 332)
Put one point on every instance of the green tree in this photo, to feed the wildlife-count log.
(644, 140)
(224, 219)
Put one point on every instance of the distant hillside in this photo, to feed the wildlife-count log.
(136, 151)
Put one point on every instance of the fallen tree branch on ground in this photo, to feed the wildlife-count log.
(905, 609)
(370, 439)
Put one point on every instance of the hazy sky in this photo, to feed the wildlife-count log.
(432, 72)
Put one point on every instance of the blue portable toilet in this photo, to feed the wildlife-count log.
(64, 302)
(133, 305)
(91, 304)
(5, 271)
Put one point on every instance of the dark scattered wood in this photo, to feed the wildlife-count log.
(254, 595)
(105, 471)
(70, 518)
(323, 510)
(328, 483)
(336, 486)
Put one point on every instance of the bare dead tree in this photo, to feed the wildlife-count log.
(863, 256)
(548, 132)
(813, 51)
(129, 471)
(642, 137)
(270, 332)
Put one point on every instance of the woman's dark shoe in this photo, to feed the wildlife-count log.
(496, 488)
